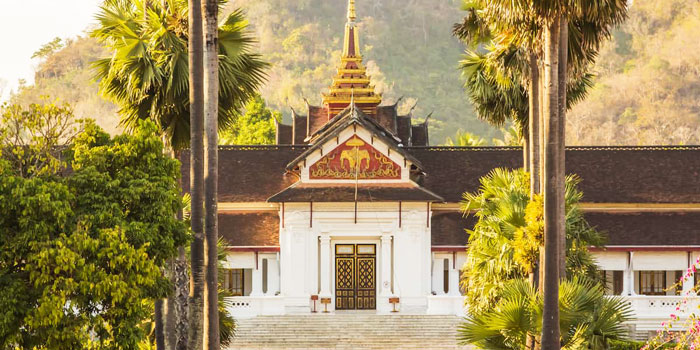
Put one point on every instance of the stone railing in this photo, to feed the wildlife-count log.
(249, 306)
(650, 311)
(446, 305)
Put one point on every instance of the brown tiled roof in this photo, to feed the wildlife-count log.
(365, 193)
(386, 117)
(452, 171)
(419, 135)
(646, 229)
(317, 118)
(249, 173)
(622, 229)
(609, 174)
(299, 129)
(351, 116)
(283, 134)
(637, 174)
(448, 228)
(250, 228)
(403, 129)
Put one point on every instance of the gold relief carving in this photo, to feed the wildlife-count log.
(355, 159)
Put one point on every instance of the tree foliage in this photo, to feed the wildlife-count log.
(466, 139)
(82, 250)
(588, 318)
(147, 73)
(501, 245)
(255, 127)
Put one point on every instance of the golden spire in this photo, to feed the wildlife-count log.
(351, 85)
(351, 11)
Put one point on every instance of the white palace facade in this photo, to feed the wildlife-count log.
(353, 210)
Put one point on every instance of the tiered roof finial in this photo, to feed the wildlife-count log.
(352, 81)
(351, 11)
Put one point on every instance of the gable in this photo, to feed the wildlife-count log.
(355, 159)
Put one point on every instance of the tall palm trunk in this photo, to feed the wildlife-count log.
(196, 80)
(561, 136)
(211, 234)
(534, 156)
(534, 125)
(182, 292)
(158, 317)
(159, 305)
(525, 140)
(553, 188)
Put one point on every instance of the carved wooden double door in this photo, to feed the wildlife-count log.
(355, 276)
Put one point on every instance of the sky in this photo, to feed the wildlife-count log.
(26, 25)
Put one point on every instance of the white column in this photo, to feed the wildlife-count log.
(690, 282)
(386, 266)
(628, 276)
(454, 277)
(272, 276)
(438, 277)
(256, 289)
(325, 266)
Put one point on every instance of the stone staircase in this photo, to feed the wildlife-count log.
(347, 331)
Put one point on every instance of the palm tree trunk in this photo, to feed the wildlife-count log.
(561, 129)
(211, 234)
(158, 320)
(553, 189)
(171, 302)
(196, 81)
(526, 152)
(182, 292)
(534, 125)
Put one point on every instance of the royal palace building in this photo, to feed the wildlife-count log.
(352, 209)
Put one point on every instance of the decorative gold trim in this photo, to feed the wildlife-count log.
(604, 207)
(639, 207)
(247, 206)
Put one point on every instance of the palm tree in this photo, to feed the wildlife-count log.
(504, 244)
(149, 76)
(589, 318)
(211, 179)
(513, 23)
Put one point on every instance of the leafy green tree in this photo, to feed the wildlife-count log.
(255, 127)
(504, 242)
(588, 318)
(82, 251)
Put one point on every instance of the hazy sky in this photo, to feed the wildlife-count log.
(25, 25)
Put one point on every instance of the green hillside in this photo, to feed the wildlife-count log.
(647, 90)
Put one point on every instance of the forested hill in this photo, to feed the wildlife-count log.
(406, 44)
(647, 90)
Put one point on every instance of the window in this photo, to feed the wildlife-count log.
(652, 282)
(617, 282)
(264, 275)
(446, 275)
(235, 282)
(678, 279)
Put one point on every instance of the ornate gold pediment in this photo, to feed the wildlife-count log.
(355, 159)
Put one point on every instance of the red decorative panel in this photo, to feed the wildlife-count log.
(353, 159)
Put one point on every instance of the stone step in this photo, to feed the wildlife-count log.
(347, 331)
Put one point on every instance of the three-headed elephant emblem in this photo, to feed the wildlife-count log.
(354, 157)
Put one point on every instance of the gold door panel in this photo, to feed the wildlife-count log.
(355, 276)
